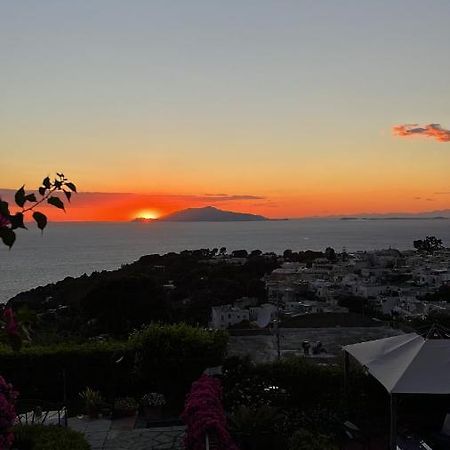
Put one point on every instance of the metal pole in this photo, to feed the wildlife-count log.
(64, 386)
(346, 379)
(393, 427)
(278, 328)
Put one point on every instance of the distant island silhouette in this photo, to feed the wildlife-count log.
(206, 214)
(397, 218)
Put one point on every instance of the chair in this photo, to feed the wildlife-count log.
(446, 425)
(37, 412)
(354, 434)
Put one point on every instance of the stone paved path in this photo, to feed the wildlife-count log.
(104, 434)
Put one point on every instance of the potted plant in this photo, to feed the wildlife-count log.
(92, 402)
(152, 404)
(125, 407)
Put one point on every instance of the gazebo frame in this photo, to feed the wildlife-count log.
(435, 332)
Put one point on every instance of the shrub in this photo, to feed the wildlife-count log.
(42, 437)
(125, 406)
(288, 382)
(304, 440)
(171, 357)
(7, 413)
(259, 427)
(310, 396)
(68, 367)
(168, 358)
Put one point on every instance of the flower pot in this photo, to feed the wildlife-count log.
(258, 441)
(152, 413)
(124, 412)
(93, 414)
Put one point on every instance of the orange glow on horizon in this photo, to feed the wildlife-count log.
(115, 207)
(147, 214)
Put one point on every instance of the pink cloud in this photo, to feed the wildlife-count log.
(432, 130)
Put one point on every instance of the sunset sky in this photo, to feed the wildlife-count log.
(282, 108)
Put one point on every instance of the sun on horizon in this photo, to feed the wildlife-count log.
(147, 214)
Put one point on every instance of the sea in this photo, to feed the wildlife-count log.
(72, 249)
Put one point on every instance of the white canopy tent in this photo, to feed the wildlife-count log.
(405, 364)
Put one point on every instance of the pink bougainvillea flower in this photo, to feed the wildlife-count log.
(11, 326)
(204, 414)
(8, 397)
(4, 221)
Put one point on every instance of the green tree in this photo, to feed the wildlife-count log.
(429, 245)
(330, 254)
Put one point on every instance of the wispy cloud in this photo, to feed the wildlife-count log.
(227, 197)
(8, 194)
(124, 206)
(442, 193)
(432, 130)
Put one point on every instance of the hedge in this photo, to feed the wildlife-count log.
(176, 352)
(167, 358)
(315, 392)
(304, 440)
(41, 437)
(60, 371)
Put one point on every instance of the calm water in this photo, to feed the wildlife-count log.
(77, 248)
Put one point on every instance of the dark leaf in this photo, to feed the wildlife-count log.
(71, 186)
(17, 221)
(41, 219)
(68, 195)
(60, 175)
(30, 198)
(7, 236)
(57, 184)
(20, 197)
(42, 190)
(15, 342)
(56, 201)
(46, 182)
(4, 210)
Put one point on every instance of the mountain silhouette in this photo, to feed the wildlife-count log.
(210, 214)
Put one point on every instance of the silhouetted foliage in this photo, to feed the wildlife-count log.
(429, 245)
(442, 294)
(117, 306)
(165, 358)
(27, 202)
(330, 254)
(307, 256)
(44, 437)
(169, 288)
(306, 395)
(354, 303)
(239, 254)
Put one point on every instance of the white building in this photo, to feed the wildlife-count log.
(224, 316)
